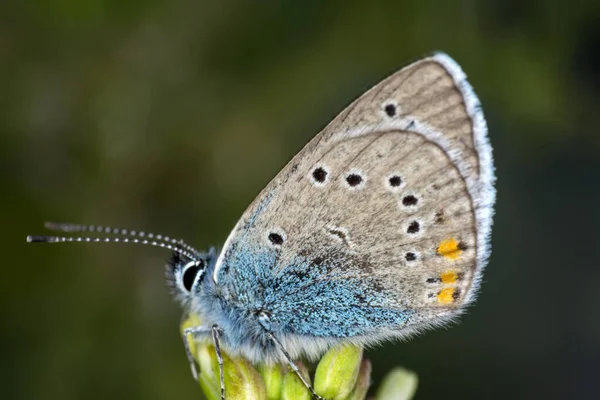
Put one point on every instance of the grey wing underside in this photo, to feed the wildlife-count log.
(382, 220)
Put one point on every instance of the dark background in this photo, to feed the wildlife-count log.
(172, 115)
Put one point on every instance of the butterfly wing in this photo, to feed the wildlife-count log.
(380, 224)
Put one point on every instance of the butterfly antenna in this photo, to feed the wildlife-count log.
(82, 239)
(79, 228)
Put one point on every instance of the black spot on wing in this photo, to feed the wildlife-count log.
(390, 110)
(319, 174)
(395, 181)
(276, 239)
(414, 227)
(410, 200)
(354, 180)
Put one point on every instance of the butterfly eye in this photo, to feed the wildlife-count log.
(189, 275)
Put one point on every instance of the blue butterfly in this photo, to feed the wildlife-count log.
(377, 229)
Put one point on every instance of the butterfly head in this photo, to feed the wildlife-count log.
(185, 275)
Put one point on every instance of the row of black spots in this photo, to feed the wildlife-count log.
(394, 183)
(354, 179)
(320, 177)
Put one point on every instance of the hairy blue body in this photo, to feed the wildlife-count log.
(302, 301)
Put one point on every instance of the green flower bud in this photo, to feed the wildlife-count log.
(273, 378)
(398, 384)
(208, 377)
(362, 383)
(341, 374)
(337, 372)
(242, 380)
(293, 388)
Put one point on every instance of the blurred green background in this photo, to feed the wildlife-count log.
(172, 115)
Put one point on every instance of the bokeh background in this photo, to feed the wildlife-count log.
(172, 115)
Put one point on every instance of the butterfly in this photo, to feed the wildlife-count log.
(378, 229)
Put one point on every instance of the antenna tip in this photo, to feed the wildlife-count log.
(40, 239)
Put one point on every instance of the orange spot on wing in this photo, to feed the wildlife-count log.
(449, 249)
(449, 276)
(446, 296)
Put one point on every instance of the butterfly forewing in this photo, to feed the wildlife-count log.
(385, 213)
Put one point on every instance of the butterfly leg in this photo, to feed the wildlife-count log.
(216, 331)
(196, 332)
(293, 366)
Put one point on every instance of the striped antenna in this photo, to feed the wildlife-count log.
(77, 228)
(81, 239)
